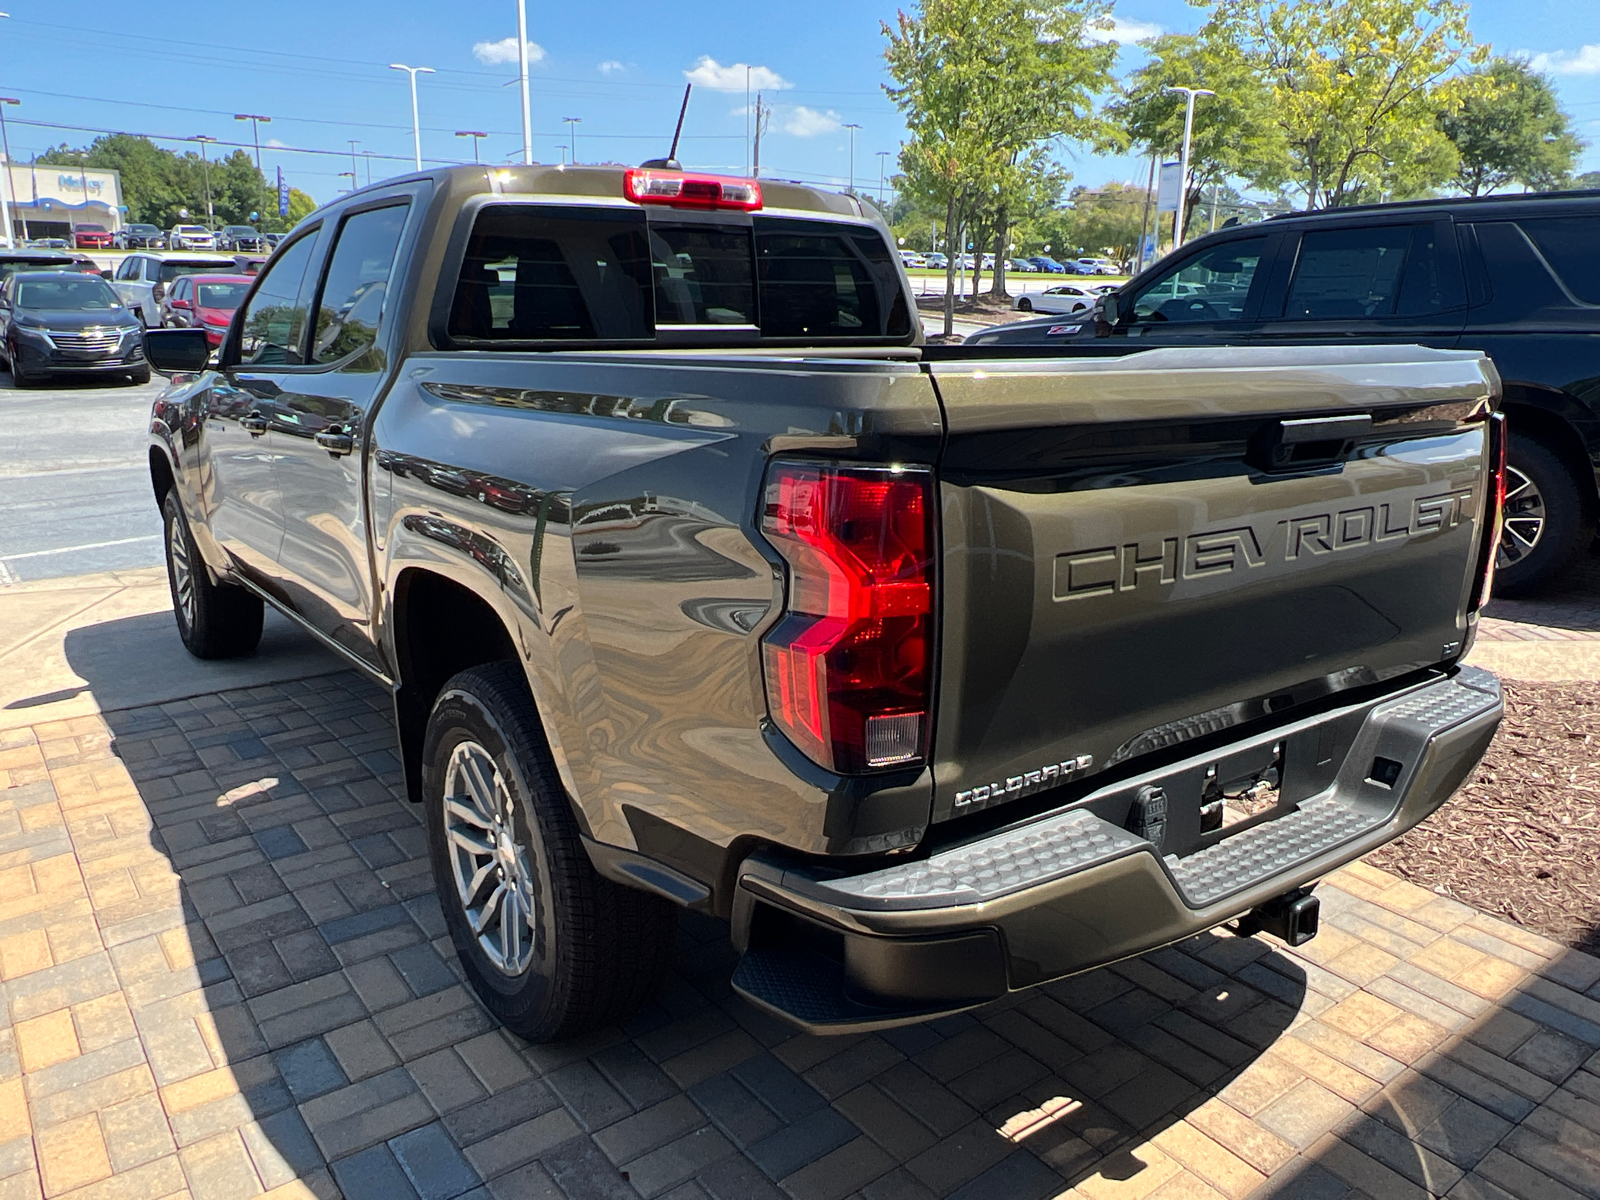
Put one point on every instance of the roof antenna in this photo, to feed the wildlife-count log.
(670, 162)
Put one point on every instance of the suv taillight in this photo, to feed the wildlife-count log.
(1494, 512)
(849, 669)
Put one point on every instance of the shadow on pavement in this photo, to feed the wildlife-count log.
(302, 1014)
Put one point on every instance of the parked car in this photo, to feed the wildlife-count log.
(272, 239)
(1513, 276)
(142, 278)
(204, 302)
(1095, 266)
(50, 243)
(1021, 266)
(28, 258)
(92, 237)
(1062, 298)
(912, 259)
(1048, 265)
(139, 236)
(658, 634)
(241, 237)
(938, 261)
(67, 323)
(191, 237)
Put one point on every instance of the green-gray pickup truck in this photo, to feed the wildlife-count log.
(699, 581)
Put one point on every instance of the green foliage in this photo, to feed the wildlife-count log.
(1589, 180)
(1106, 220)
(1510, 129)
(157, 184)
(1356, 88)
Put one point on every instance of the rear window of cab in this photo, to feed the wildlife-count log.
(546, 273)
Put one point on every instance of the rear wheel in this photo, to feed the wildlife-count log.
(1547, 519)
(214, 620)
(551, 947)
(1024, 305)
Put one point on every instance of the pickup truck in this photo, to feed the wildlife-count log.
(699, 581)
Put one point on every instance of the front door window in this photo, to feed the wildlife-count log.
(1210, 288)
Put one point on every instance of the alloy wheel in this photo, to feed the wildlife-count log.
(1524, 518)
(493, 874)
(182, 572)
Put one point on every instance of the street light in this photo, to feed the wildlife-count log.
(852, 127)
(572, 135)
(522, 75)
(416, 125)
(474, 134)
(354, 142)
(5, 142)
(1189, 94)
(205, 170)
(367, 157)
(882, 154)
(256, 121)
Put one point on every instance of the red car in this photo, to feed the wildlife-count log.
(204, 302)
(92, 237)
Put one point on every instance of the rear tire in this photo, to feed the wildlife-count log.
(1548, 520)
(214, 620)
(551, 948)
(140, 377)
(1024, 305)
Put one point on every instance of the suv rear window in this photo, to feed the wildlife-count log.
(1571, 245)
(541, 273)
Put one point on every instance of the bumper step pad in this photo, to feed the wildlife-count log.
(1318, 825)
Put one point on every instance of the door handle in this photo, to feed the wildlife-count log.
(254, 424)
(336, 441)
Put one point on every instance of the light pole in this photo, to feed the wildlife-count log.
(5, 143)
(882, 154)
(256, 121)
(1189, 94)
(522, 71)
(474, 134)
(416, 124)
(852, 127)
(354, 142)
(205, 171)
(572, 135)
(367, 156)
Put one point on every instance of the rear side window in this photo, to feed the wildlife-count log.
(1571, 245)
(827, 280)
(702, 275)
(357, 283)
(1345, 273)
(544, 273)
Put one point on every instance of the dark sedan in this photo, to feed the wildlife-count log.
(67, 323)
(141, 237)
(241, 237)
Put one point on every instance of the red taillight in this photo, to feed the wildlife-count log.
(691, 191)
(850, 667)
(1494, 512)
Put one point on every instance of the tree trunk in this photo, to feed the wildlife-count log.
(950, 267)
(997, 289)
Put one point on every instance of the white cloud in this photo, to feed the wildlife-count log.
(709, 73)
(1124, 31)
(275, 143)
(505, 51)
(611, 67)
(1586, 61)
(808, 122)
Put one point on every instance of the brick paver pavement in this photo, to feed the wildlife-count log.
(224, 973)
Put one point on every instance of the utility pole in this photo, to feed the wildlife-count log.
(8, 192)
(747, 162)
(882, 154)
(354, 142)
(256, 121)
(1190, 95)
(522, 73)
(416, 124)
(572, 135)
(763, 116)
(474, 134)
(205, 169)
(852, 127)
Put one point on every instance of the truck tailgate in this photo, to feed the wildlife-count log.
(1144, 551)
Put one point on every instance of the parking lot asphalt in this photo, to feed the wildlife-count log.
(222, 974)
(74, 484)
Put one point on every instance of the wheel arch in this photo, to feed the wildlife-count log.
(162, 477)
(1541, 415)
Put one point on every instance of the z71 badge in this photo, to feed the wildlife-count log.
(1022, 785)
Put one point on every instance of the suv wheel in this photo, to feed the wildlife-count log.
(551, 947)
(214, 620)
(1547, 522)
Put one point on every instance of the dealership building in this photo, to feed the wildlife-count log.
(51, 201)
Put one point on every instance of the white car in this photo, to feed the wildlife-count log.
(1062, 298)
(143, 277)
(1096, 266)
(912, 259)
(191, 237)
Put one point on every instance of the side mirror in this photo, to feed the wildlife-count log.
(107, 275)
(1109, 309)
(180, 304)
(177, 351)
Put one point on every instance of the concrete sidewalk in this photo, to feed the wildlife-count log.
(223, 973)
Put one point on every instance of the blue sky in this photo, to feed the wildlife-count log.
(320, 70)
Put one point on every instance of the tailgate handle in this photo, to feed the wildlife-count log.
(1311, 442)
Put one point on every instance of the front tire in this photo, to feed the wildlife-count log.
(1548, 522)
(140, 377)
(551, 948)
(1024, 305)
(214, 620)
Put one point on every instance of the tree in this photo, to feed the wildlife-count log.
(981, 83)
(1107, 220)
(1510, 129)
(1588, 180)
(301, 206)
(1235, 135)
(1357, 87)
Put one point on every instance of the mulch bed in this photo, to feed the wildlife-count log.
(1521, 840)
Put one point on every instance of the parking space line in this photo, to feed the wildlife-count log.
(149, 537)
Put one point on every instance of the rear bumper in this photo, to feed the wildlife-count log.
(1069, 890)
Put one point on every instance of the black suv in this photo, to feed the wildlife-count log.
(1515, 276)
